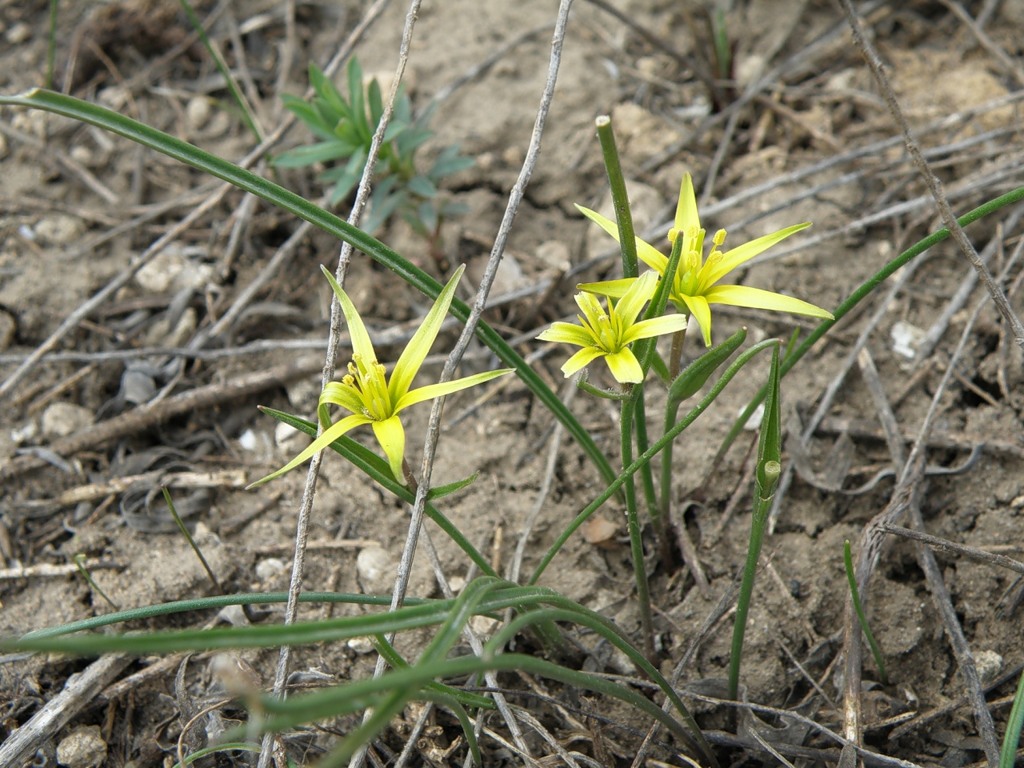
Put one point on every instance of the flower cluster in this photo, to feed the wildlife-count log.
(695, 287)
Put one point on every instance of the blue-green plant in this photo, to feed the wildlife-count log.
(404, 185)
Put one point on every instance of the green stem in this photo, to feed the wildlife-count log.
(861, 616)
(766, 480)
(620, 200)
(649, 454)
(636, 545)
(860, 294)
(1014, 726)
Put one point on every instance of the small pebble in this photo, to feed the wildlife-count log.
(18, 34)
(375, 569)
(198, 112)
(270, 567)
(59, 229)
(82, 748)
(989, 664)
(61, 419)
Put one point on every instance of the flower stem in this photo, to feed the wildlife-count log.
(620, 200)
(636, 544)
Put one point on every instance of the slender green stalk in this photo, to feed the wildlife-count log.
(766, 480)
(222, 67)
(1014, 727)
(636, 544)
(247, 181)
(862, 292)
(650, 453)
(861, 616)
(684, 386)
(630, 268)
(79, 561)
(620, 200)
(188, 537)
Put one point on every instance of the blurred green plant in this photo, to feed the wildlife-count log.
(344, 129)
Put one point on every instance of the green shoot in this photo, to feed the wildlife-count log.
(766, 480)
(861, 616)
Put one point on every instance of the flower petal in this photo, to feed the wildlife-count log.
(391, 436)
(416, 350)
(434, 391)
(687, 218)
(614, 289)
(581, 360)
(655, 326)
(329, 435)
(757, 298)
(701, 312)
(743, 253)
(361, 344)
(648, 254)
(633, 300)
(624, 366)
(336, 393)
(567, 333)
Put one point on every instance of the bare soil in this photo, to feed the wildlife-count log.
(797, 132)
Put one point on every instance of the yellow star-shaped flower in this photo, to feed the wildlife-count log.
(695, 286)
(608, 334)
(367, 393)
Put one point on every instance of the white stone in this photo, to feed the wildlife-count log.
(61, 419)
(375, 569)
(58, 229)
(82, 748)
(269, 567)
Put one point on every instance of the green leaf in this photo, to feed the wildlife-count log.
(421, 186)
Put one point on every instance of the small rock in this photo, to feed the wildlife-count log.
(555, 255)
(62, 419)
(172, 269)
(375, 569)
(270, 567)
(18, 34)
(361, 645)
(198, 112)
(989, 664)
(82, 748)
(59, 229)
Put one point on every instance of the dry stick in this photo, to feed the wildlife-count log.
(934, 185)
(146, 416)
(945, 545)
(79, 691)
(309, 490)
(1005, 60)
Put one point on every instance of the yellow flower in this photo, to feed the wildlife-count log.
(695, 286)
(609, 334)
(367, 393)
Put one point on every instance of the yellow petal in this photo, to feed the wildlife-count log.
(361, 344)
(648, 254)
(580, 360)
(567, 333)
(743, 253)
(391, 436)
(624, 366)
(416, 350)
(433, 391)
(614, 289)
(633, 300)
(329, 435)
(336, 393)
(701, 312)
(757, 298)
(655, 326)
(687, 217)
